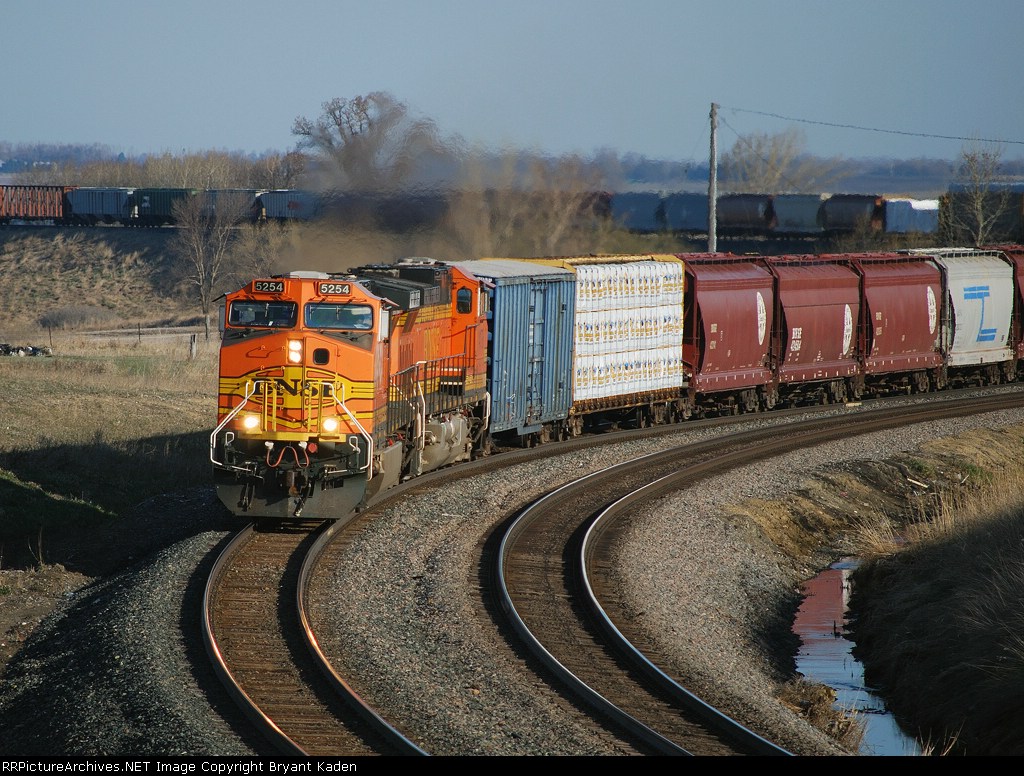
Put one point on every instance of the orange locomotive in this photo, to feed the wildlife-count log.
(333, 388)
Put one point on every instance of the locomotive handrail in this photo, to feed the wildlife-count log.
(227, 419)
(420, 428)
(362, 432)
(419, 405)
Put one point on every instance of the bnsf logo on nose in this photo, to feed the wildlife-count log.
(296, 387)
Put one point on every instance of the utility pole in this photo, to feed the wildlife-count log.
(713, 183)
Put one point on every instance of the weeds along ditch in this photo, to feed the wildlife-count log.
(944, 601)
(99, 426)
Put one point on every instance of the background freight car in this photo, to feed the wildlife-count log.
(155, 207)
(241, 204)
(288, 204)
(744, 214)
(639, 211)
(687, 213)
(410, 212)
(797, 214)
(91, 205)
(33, 203)
(1003, 203)
(850, 212)
(906, 216)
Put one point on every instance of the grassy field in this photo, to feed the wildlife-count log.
(106, 420)
(100, 426)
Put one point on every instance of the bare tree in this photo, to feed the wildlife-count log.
(369, 143)
(978, 207)
(760, 163)
(207, 228)
(257, 251)
(277, 171)
(533, 207)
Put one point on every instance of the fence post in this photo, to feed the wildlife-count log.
(191, 347)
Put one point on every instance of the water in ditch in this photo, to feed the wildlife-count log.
(825, 657)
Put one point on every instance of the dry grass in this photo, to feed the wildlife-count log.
(100, 426)
(817, 704)
(74, 278)
(953, 487)
(937, 593)
(941, 598)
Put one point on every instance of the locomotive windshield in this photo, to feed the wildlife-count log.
(323, 315)
(276, 315)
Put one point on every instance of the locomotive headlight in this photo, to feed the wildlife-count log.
(295, 351)
(250, 422)
(330, 425)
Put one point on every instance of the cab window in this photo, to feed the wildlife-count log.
(257, 314)
(322, 315)
(464, 301)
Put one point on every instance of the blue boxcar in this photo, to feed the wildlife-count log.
(531, 320)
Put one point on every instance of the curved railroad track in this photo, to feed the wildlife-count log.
(553, 559)
(260, 633)
(258, 636)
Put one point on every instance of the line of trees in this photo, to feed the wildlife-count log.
(374, 144)
(205, 170)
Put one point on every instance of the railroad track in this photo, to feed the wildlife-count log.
(552, 576)
(256, 632)
(260, 632)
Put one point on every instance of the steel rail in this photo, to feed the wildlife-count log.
(593, 698)
(263, 723)
(817, 429)
(401, 743)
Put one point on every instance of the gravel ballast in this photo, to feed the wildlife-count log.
(117, 669)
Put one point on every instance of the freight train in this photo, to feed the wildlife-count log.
(686, 214)
(149, 207)
(777, 215)
(334, 387)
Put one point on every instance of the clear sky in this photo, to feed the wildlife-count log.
(557, 76)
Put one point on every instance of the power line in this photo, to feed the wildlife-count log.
(767, 162)
(876, 129)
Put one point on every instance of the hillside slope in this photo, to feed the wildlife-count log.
(72, 279)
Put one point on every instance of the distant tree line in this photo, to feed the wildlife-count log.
(374, 144)
(198, 170)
